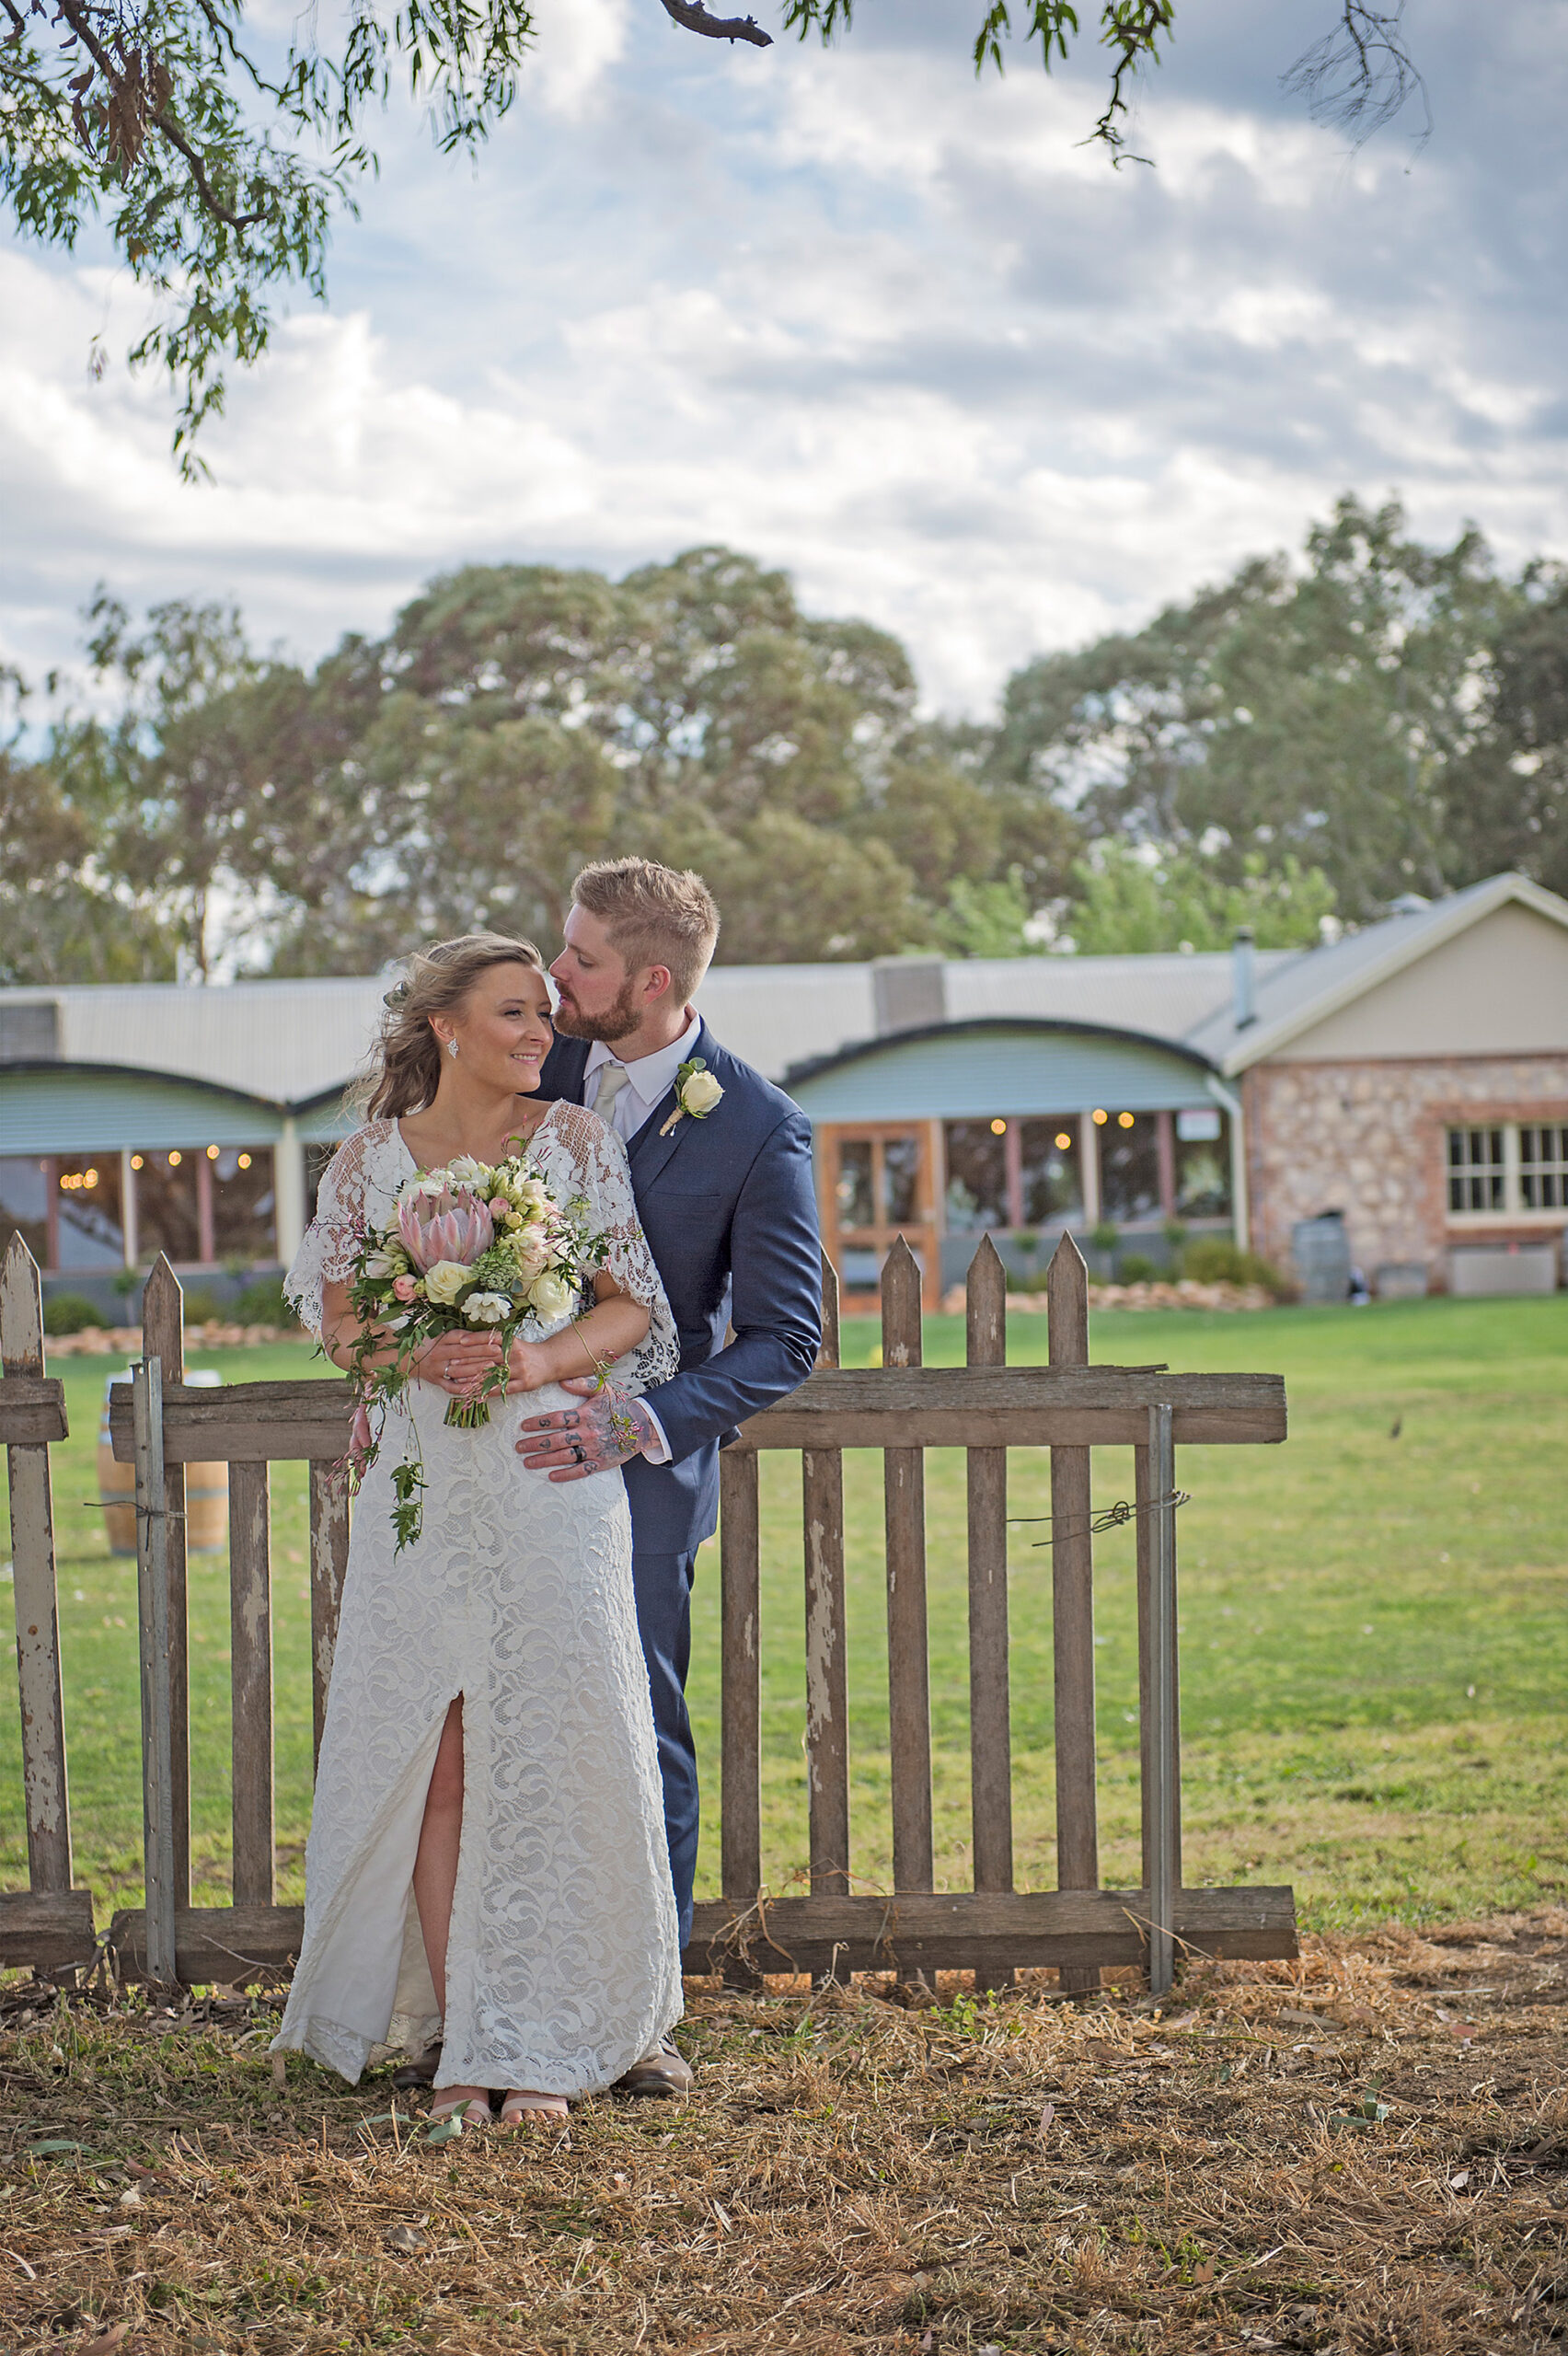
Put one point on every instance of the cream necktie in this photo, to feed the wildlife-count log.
(612, 1078)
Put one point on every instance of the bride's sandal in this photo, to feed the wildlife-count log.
(471, 2110)
(523, 2107)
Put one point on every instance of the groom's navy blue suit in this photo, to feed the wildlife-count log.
(729, 1210)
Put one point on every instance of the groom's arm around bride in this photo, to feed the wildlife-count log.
(721, 1173)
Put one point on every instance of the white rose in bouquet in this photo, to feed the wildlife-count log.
(487, 1309)
(467, 1171)
(445, 1280)
(551, 1295)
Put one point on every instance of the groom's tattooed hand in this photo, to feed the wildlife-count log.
(575, 1442)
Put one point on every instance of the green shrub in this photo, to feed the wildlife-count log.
(1103, 1237)
(1215, 1262)
(262, 1303)
(205, 1308)
(1135, 1268)
(70, 1313)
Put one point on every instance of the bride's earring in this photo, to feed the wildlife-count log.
(452, 1046)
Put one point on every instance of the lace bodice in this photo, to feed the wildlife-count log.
(573, 1153)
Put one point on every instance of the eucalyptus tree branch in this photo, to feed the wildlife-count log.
(694, 17)
(132, 82)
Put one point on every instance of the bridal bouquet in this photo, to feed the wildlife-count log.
(476, 1246)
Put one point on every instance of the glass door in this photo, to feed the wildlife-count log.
(877, 1185)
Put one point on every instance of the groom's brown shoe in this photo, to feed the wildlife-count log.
(419, 2072)
(661, 2073)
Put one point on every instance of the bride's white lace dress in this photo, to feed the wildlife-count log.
(562, 1967)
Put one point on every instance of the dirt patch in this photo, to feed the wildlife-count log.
(1364, 2152)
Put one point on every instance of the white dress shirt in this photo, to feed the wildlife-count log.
(649, 1079)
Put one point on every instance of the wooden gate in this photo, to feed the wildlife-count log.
(901, 1409)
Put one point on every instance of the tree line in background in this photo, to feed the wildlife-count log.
(1301, 745)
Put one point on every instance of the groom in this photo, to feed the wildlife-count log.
(721, 1172)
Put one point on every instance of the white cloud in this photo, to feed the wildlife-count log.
(578, 44)
(856, 315)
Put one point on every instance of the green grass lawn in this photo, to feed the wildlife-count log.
(1375, 1649)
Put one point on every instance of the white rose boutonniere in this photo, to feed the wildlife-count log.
(697, 1093)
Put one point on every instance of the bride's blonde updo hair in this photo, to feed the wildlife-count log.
(404, 1071)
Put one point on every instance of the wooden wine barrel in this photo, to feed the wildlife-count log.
(206, 1489)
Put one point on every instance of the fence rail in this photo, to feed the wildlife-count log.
(899, 1409)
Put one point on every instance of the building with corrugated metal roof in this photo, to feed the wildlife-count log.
(1410, 1079)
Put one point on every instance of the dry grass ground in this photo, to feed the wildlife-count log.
(1366, 2151)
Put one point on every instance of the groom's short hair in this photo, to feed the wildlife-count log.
(654, 916)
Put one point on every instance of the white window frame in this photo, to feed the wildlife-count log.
(1515, 1211)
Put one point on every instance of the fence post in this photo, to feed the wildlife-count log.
(990, 1737)
(740, 1772)
(251, 1647)
(329, 1560)
(163, 1337)
(153, 1632)
(1072, 1593)
(38, 1616)
(1162, 1813)
(827, 1707)
(909, 1672)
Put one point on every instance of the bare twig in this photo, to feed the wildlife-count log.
(695, 18)
(1360, 74)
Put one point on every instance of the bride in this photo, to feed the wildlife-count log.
(487, 1846)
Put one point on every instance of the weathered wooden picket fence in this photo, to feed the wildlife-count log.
(901, 1408)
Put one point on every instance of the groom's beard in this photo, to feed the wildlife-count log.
(618, 1021)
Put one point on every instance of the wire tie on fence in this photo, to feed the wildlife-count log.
(111, 1505)
(1108, 1517)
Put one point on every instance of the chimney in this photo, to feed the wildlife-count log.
(908, 993)
(1243, 980)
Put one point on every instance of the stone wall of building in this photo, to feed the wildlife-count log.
(1368, 1139)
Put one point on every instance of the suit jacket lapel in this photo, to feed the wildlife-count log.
(648, 1150)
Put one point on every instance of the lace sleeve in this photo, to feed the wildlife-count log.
(326, 1254)
(601, 1168)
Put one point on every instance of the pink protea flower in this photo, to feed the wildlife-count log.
(452, 1225)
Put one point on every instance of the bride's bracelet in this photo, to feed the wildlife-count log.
(600, 1365)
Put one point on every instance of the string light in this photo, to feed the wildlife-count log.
(244, 1161)
(1123, 1120)
(174, 1161)
(212, 1154)
(998, 1128)
(1101, 1116)
(135, 1162)
(1063, 1140)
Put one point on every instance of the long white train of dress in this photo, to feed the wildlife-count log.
(562, 1964)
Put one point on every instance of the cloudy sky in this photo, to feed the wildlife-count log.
(852, 313)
